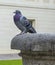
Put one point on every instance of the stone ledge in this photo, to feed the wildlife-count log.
(34, 42)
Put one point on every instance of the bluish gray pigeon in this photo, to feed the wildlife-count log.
(23, 23)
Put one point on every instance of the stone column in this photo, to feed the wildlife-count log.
(36, 49)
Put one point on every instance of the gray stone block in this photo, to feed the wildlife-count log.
(34, 42)
(36, 49)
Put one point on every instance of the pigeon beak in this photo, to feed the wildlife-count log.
(14, 12)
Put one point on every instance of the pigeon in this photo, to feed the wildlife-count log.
(23, 23)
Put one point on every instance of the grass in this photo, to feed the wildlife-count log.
(10, 62)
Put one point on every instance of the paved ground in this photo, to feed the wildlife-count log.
(9, 56)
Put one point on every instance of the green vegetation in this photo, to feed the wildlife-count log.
(10, 62)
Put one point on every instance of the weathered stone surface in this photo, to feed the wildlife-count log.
(37, 62)
(36, 49)
(34, 42)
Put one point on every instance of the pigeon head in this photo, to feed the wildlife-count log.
(17, 12)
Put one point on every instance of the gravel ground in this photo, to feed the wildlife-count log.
(9, 57)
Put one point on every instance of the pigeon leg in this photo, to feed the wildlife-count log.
(23, 32)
